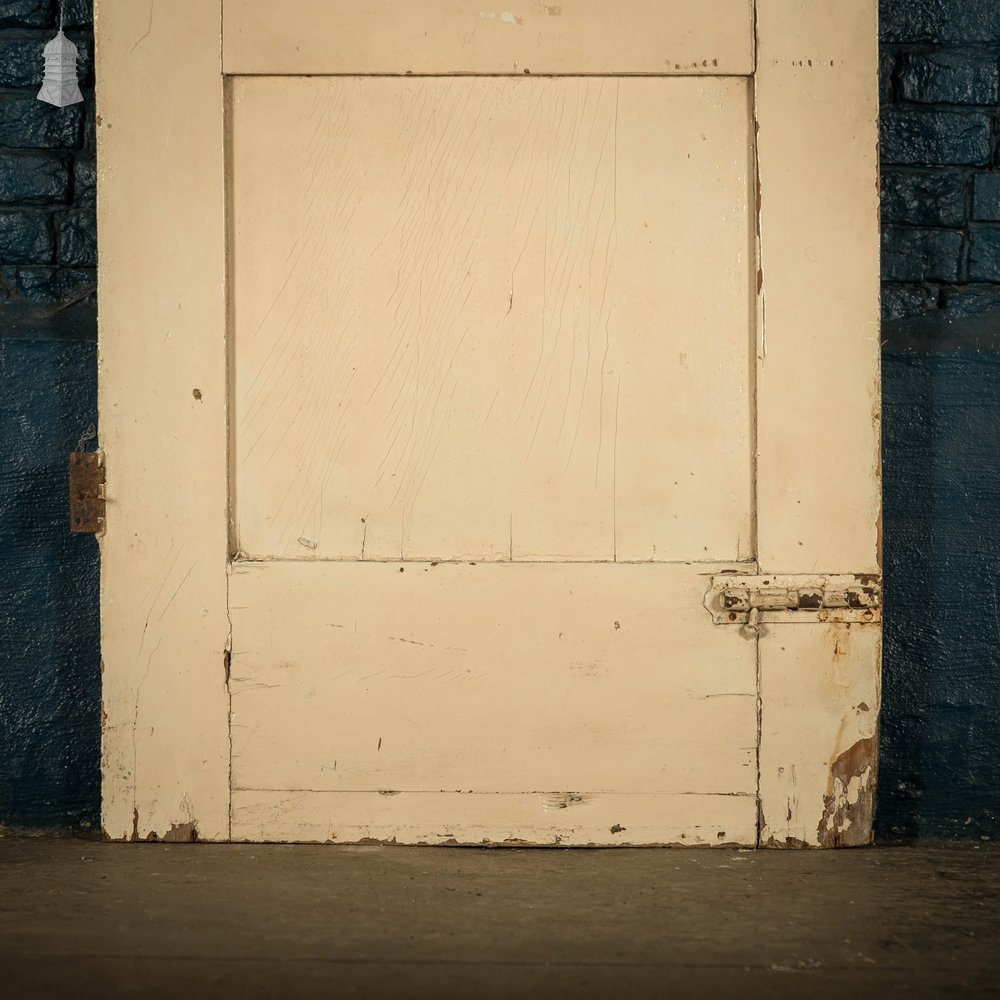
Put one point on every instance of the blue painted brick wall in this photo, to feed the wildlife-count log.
(940, 87)
(48, 245)
(940, 728)
(49, 638)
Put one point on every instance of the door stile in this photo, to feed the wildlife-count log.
(818, 489)
(162, 387)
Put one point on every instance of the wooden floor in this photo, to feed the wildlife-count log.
(82, 919)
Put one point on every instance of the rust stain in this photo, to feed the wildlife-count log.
(182, 833)
(849, 806)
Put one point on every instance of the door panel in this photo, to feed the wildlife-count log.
(487, 678)
(477, 318)
(523, 690)
(299, 37)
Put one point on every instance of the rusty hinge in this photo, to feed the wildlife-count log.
(86, 491)
(733, 600)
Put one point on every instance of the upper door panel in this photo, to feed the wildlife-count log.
(713, 37)
(492, 319)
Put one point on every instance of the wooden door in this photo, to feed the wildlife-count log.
(489, 402)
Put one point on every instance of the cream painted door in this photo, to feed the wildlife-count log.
(489, 405)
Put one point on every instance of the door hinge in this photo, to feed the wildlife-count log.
(733, 600)
(87, 505)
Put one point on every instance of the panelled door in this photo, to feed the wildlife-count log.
(489, 410)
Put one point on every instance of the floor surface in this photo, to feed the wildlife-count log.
(82, 919)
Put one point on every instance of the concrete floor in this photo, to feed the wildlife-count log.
(81, 919)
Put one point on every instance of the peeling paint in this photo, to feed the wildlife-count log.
(506, 16)
(782, 843)
(181, 833)
(849, 805)
(786, 844)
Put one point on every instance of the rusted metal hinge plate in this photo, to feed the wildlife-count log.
(86, 492)
(734, 600)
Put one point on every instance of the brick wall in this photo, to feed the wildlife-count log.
(48, 232)
(940, 152)
(940, 148)
(50, 731)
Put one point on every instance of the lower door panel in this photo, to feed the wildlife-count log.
(542, 703)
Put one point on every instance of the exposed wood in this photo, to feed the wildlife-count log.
(819, 721)
(478, 319)
(495, 820)
(162, 337)
(818, 389)
(301, 37)
(574, 680)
